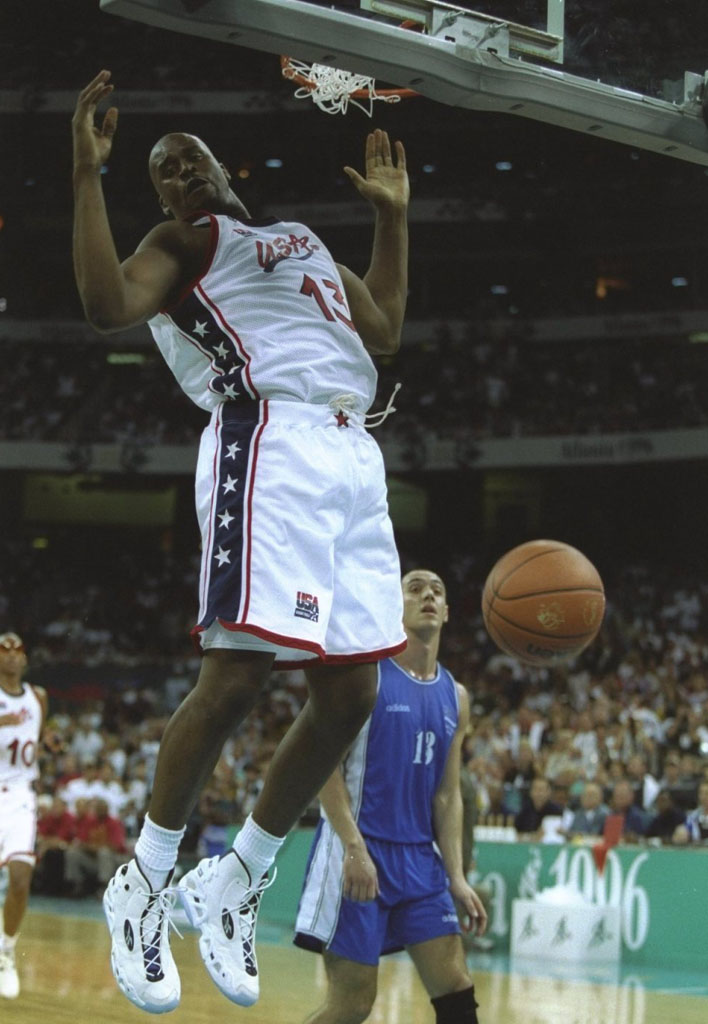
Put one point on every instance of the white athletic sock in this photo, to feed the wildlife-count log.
(8, 942)
(156, 852)
(256, 848)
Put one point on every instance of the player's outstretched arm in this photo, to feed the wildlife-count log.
(113, 296)
(378, 301)
(447, 819)
(359, 877)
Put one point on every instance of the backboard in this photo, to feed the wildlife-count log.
(632, 71)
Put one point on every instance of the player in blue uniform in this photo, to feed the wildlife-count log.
(385, 869)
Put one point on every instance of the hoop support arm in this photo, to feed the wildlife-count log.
(457, 71)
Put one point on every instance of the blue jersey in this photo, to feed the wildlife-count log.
(397, 761)
(392, 774)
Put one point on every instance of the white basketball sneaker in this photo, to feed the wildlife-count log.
(138, 921)
(9, 980)
(221, 900)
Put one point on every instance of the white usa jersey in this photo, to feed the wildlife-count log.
(18, 743)
(267, 319)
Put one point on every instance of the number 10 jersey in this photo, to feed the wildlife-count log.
(18, 743)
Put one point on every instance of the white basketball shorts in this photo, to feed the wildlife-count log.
(18, 824)
(298, 554)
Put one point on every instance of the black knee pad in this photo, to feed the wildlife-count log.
(456, 1007)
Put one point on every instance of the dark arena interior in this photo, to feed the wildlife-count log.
(554, 372)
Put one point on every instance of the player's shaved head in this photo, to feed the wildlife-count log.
(174, 142)
(188, 177)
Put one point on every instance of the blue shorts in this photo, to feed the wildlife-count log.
(414, 903)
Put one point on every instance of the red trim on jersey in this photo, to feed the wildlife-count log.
(387, 652)
(265, 634)
(202, 351)
(200, 348)
(227, 327)
(215, 488)
(249, 500)
(206, 265)
(18, 853)
(302, 645)
(278, 664)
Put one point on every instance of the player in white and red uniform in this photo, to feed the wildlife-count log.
(22, 712)
(265, 342)
(262, 328)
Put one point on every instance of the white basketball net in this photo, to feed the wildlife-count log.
(332, 88)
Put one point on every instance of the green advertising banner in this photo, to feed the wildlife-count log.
(662, 894)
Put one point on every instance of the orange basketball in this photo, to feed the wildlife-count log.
(543, 602)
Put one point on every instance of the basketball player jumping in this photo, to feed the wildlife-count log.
(375, 882)
(266, 332)
(23, 710)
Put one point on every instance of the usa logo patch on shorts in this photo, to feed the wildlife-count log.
(306, 607)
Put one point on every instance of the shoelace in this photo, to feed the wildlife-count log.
(247, 911)
(347, 403)
(159, 908)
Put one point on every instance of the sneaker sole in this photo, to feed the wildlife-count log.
(241, 996)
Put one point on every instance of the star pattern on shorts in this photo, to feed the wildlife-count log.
(225, 518)
(229, 484)
(200, 329)
(232, 449)
(230, 391)
(221, 350)
(222, 556)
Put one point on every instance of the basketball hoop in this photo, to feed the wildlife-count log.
(333, 89)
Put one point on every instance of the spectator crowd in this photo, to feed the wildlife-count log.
(623, 731)
(469, 389)
(620, 733)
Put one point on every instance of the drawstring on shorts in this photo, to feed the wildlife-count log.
(345, 405)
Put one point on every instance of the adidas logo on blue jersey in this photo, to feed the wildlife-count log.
(397, 707)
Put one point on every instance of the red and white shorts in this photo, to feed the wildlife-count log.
(18, 824)
(298, 553)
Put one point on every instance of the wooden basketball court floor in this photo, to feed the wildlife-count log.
(63, 959)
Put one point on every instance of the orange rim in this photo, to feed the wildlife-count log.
(293, 75)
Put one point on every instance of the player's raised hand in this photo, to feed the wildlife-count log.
(386, 183)
(92, 145)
